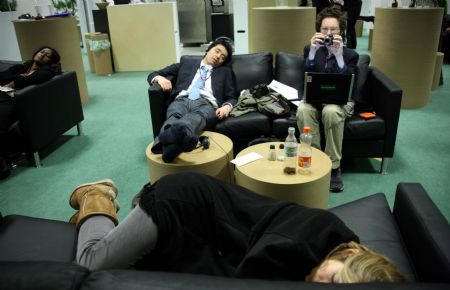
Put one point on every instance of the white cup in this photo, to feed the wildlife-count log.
(51, 9)
(38, 9)
(282, 3)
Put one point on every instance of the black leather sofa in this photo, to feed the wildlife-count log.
(46, 111)
(362, 138)
(38, 253)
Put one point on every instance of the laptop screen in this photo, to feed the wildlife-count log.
(328, 88)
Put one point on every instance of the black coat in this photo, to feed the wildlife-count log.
(208, 226)
(14, 73)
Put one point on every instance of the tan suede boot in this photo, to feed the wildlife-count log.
(95, 202)
(105, 185)
(95, 198)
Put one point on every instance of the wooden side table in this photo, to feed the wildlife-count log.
(267, 178)
(214, 161)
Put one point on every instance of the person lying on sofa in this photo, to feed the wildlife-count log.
(193, 223)
(333, 58)
(42, 67)
(203, 93)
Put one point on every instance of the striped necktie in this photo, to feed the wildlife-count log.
(199, 84)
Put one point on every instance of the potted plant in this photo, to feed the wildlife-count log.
(65, 6)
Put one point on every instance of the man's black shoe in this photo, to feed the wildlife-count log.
(336, 182)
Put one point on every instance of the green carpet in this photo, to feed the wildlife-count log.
(117, 130)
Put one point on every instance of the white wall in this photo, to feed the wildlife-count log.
(9, 49)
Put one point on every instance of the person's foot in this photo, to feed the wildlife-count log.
(174, 134)
(106, 186)
(336, 182)
(171, 151)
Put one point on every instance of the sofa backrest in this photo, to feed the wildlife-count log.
(252, 69)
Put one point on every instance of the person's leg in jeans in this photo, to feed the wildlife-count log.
(102, 245)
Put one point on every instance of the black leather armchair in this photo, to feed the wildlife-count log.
(46, 111)
(38, 253)
(362, 138)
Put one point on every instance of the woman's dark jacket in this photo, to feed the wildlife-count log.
(208, 226)
(40, 75)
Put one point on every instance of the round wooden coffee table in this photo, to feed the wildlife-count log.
(214, 161)
(267, 177)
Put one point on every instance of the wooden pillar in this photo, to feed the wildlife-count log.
(404, 47)
(286, 29)
(59, 33)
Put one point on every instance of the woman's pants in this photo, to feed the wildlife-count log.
(333, 119)
(101, 245)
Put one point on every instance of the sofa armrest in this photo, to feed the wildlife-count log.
(49, 109)
(425, 231)
(386, 98)
(159, 101)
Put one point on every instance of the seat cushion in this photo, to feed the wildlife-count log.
(280, 125)
(371, 219)
(251, 124)
(34, 239)
(357, 128)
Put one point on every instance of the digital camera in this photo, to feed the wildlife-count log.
(328, 40)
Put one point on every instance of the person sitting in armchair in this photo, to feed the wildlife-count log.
(42, 67)
(203, 93)
(332, 58)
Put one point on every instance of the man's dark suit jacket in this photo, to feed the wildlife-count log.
(350, 58)
(182, 74)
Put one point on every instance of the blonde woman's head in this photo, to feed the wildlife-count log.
(354, 263)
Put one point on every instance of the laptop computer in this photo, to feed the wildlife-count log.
(328, 88)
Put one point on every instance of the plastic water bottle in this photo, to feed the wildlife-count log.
(305, 152)
(290, 152)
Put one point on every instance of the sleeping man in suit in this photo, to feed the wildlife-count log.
(203, 93)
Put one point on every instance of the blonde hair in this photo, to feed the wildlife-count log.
(362, 264)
